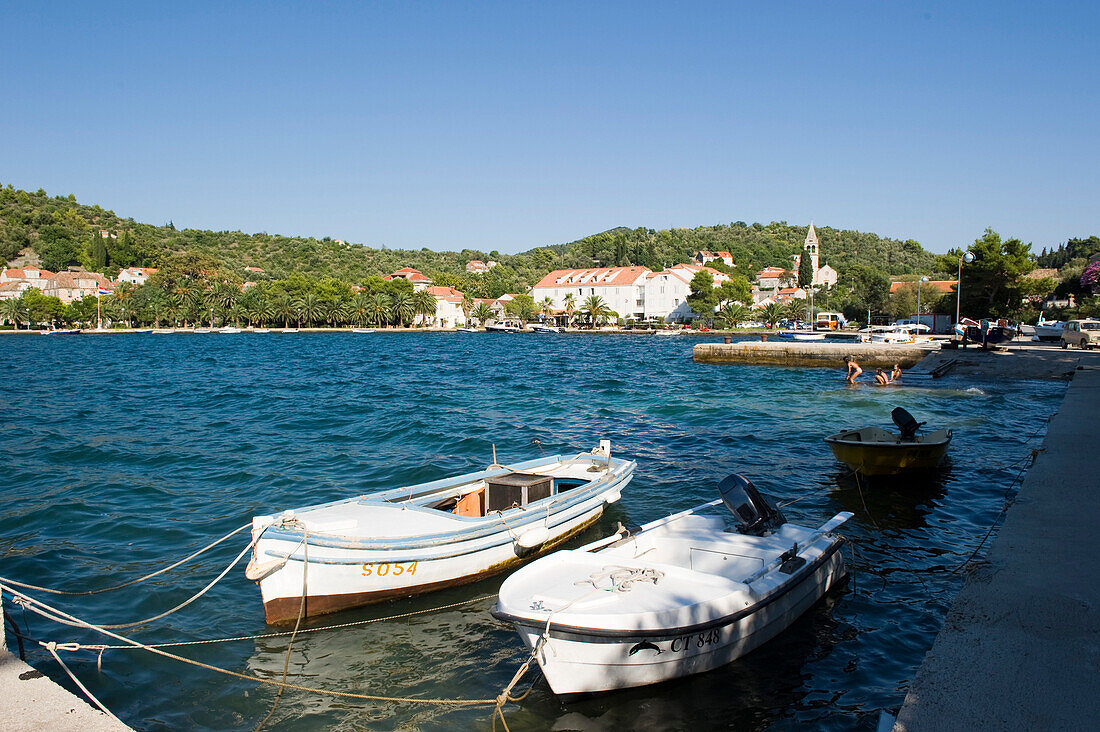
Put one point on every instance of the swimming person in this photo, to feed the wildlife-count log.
(881, 379)
(896, 373)
(853, 369)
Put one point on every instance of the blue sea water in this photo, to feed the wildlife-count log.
(124, 453)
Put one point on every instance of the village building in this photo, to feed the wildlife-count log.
(621, 288)
(27, 277)
(824, 276)
(136, 275)
(448, 308)
(932, 287)
(476, 266)
(666, 292)
(419, 280)
(703, 257)
(497, 306)
(773, 278)
(74, 285)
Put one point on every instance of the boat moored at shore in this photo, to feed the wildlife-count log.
(875, 451)
(678, 596)
(412, 540)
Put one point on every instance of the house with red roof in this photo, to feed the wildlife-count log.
(621, 288)
(703, 256)
(419, 280)
(76, 284)
(136, 275)
(666, 291)
(448, 308)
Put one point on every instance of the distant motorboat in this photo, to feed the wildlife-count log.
(229, 329)
(803, 336)
(261, 330)
(897, 334)
(503, 327)
(466, 330)
(547, 329)
(986, 332)
(415, 539)
(70, 331)
(668, 332)
(1049, 330)
(288, 330)
(202, 330)
(875, 451)
(362, 330)
(163, 331)
(678, 596)
(144, 330)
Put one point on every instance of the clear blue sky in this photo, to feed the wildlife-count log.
(516, 124)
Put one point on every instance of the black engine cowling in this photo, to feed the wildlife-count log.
(755, 512)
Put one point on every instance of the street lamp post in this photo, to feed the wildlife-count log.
(968, 257)
(920, 282)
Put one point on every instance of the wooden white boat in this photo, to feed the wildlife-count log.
(228, 329)
(70, 331)
(261, 330)
(163, 331)
(202, 330)
(412, 540)
(875, 451)
(675, 597)
(362, 330)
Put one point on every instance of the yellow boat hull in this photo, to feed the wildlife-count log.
(883, 453)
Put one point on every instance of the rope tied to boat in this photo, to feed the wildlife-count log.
(622, 579)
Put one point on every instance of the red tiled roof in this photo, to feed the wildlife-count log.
(604, 276)
(445, 292)
(941, 286)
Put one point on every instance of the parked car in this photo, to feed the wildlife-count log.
(1081, 333)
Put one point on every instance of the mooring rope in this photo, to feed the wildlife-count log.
(186, 559)
(52, 648)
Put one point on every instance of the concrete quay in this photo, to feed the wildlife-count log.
(821, 354)
(30, 701)
(1020, 647)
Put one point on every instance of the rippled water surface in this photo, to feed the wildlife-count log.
(124, 453)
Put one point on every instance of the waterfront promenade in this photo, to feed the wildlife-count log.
(1020, 647)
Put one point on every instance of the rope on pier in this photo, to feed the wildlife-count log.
(59, 616)
(52, 648)
(186, 559)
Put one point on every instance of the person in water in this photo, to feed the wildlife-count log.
(853, 370)
(881, 378)
(896, 373)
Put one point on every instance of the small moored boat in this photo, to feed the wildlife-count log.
(678, 596)
(547, 329)
(875, 451)
(412, 540)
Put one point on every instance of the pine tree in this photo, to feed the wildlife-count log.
(805, 270)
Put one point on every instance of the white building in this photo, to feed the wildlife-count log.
(448, 307)
(621, 288)
(666, 292)
(136, 275)
(703, 257)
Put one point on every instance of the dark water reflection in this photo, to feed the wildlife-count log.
(125, 453)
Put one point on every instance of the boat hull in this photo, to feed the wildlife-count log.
(326, 583)
(335, 571)
(584, 661)
(889, 459)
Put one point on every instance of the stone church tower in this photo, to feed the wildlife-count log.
(823, 276)
(810, 247)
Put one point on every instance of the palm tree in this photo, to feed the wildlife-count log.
(795, 310)
(424, 306)
(596, 310)
(546, 307)
(732, 313)
(12, 312)
(569, 304)
(378, 308)
(284, 308)
(773, 313)
(261, 311)
(402, 309)
(310, 308)
(338, 312)
(482, 313)
(359, 311)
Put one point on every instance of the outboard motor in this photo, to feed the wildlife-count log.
(756, 512)
(906, 423)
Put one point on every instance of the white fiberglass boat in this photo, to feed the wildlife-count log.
(362, 330)
(411, 540)
(228, 329)
(1048, 330)
(678, 596)
(547, 329)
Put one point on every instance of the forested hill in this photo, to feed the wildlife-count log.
(62, 231)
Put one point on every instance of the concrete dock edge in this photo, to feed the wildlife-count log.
(29, 700)
(1020, 646)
